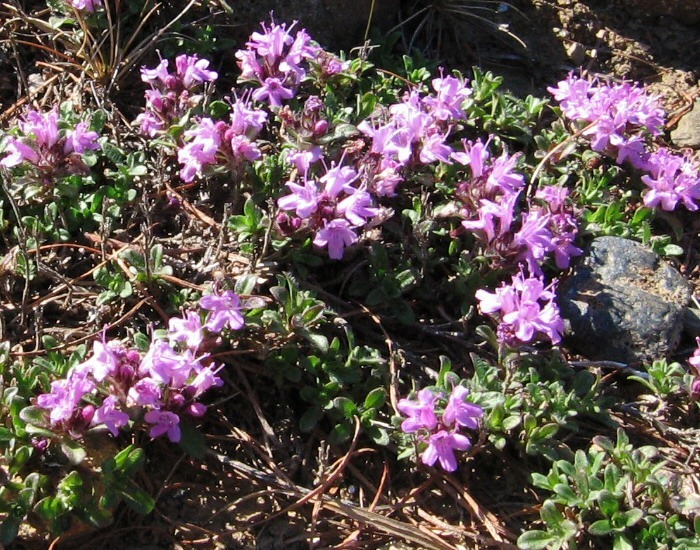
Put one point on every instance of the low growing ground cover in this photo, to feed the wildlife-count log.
(284, 296)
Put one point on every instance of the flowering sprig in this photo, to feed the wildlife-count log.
(525, 310)
(116, 386)
(277, 61)
(614, 117)
(49, 146)
(489, 197)
(172, 95)
(618, 120)
(436, 419)
(332, 207)
(414, 133)
(218, 143)
(672, 179)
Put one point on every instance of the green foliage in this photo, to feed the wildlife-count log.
(614, 491)
(531, 406)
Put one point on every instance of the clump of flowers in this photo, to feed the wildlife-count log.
(277, 61)
(614, 118)
(172, 95)
(618, 121)
(436, 420)
(50, 147)
(414, 133)
(524, 309)
(117, 387)
(332, 208)
(218, 143)
(489, 198)
(672, 179)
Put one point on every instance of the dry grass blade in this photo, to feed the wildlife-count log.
(373, 520)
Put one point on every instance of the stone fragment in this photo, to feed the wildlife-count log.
(687, 133)
(576, 52)
(623, 303)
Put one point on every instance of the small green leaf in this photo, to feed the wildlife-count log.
(375, 399)
(73, 451)
(601, 527)
(34, 415)
(535, 540)
(218, 109)
(550, 514)
(346, 406)
(136, 498)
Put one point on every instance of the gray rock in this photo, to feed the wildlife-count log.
(687, 133)
(623, 303)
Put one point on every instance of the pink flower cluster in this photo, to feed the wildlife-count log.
(414, 132)
(614, 116)
(525, 310)
(332, 208)
(86, 5)
(671, 179)
(615, 119)
(276, 60)
(211, 142)
(159, 386)
(437, 420)
(304, 130)
(172, 95)
(489, 198)
(47, 147)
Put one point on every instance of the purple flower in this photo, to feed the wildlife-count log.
(44, 127)
(242, 148)
(450, 94)
(205, 379)
(81, 139)
(273, 92)
(357, 208)
(246, 120)
(522, 315)
(671, 179)
(421, 413)
(534, 239)
(303, 160)
(146, 393)
(225, 311)
(109, 415)
(193, 70)
(85, 5)
(442, 446)
(435, 149)
(164, 422)
(103, 363)
(166, 366)
(337, 180)
(201, 151)
(187, 330)
(149, 124)
(304, 199)
(461, 412)
(65, 396)
(18, 153)
(337, 235)
(158, 75)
